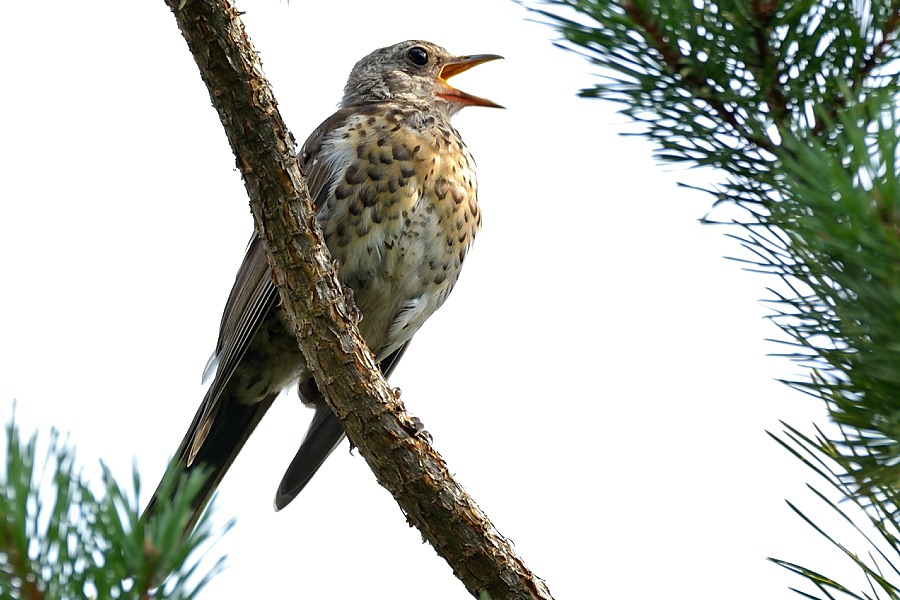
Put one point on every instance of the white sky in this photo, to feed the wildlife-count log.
(598, 380)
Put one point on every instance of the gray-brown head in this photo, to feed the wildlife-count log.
(413, 72)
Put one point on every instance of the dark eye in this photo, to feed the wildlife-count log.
(418, 56)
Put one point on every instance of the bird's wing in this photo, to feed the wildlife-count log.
(252, 297)
(254, 293)
(321, 168)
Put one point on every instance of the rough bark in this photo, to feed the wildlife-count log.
(344, 369)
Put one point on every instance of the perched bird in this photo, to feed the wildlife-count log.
(395, 193)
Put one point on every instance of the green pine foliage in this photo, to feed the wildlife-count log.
(795, 104)
(61, 540)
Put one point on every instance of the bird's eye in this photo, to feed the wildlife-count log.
(418, 56)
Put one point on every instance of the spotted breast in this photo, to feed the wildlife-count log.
(399, 215)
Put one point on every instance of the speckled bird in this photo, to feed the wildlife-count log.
(396, 197)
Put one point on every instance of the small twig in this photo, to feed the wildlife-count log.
(763, 12)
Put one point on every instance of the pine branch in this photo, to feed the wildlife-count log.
(795, 102)
(58, 539)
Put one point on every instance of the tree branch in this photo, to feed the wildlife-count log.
(344, 369)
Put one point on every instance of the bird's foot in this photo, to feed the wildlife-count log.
(353, 313)
(417, 428)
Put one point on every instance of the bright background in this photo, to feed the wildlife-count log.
(598, 380)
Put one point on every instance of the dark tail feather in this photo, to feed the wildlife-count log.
(323, 436)
(231, 427)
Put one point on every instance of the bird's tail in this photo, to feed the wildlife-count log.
(323, 436)
(231, 426)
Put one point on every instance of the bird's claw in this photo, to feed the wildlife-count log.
(353, 313)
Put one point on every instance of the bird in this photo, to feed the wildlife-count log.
(395, 194)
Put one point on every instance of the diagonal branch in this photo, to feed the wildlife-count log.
(344, 369)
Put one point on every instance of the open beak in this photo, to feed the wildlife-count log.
(455, 67)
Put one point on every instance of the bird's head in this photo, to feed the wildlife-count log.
(413, 72)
